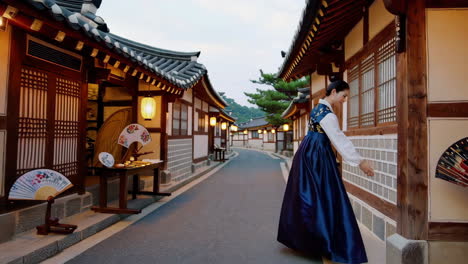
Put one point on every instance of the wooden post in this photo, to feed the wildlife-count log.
(412, 128)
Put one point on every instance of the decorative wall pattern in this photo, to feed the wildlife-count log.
(382, 152)
(179, 158)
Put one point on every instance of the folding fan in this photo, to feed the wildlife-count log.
(134, 133)
(453, 164)
(39, 185)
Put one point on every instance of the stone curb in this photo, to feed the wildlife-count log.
(28, 247)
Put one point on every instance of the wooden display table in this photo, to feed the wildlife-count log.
(123, 174)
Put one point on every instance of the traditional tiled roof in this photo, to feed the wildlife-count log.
(256, 122)
(178, 68)
(324, 22)
(302, 97)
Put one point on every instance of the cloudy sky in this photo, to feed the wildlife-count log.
(236, 37)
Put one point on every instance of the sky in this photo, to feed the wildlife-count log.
(236, 38)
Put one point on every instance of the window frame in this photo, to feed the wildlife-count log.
(371, 57)
(183, 107)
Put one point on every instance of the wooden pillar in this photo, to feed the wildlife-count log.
(412, 127)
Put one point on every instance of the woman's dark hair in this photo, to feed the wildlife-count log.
(337, 85)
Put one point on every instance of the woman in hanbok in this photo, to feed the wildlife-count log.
(316, 216)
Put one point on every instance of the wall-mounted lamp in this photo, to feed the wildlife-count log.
(286, 127)
(223, 125)
(213, 121)
(233, 128)
(265, 131)
(273, 131)
(245, 132)
(259, 131)
(148, 108)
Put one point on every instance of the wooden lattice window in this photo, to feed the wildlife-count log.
(372, 81)
(179, 119)
(48, 123)
(201, 122)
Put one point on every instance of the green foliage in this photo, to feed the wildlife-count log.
(276, 99)
(240, 112)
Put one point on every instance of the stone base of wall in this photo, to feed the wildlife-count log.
(403, 251)
(22, 220)
(379, 224)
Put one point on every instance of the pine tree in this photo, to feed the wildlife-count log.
(275, 100)
(241, 113)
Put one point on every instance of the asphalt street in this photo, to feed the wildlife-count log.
(231, 217)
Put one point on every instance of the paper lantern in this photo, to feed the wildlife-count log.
(259, 131)
(286, 127)
(148, 108)
(245, 132)
(273, 131)
(213, 121)
(223, 125)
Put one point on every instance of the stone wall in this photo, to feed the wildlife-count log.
(179, 159)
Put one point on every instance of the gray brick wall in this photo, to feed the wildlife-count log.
(382, 152)
(179, 160)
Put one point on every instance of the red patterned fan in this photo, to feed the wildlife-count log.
(453, 164)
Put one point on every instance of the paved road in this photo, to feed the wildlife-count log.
(231, 217)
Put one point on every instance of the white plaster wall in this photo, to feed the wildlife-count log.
(447, 51)
(318, 82)
(447, 201)
(5, 38)
(379, 18)
(190, 120)
(200, 146)
(354, 40)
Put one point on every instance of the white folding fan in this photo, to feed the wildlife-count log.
(39, 184)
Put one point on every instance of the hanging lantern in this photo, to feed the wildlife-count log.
(245, 132)
(223, 125)
(148, 108)
(273, 131)
(233, 128)
(213, 121)
(259, 131)
(265, 131)
(286, 127)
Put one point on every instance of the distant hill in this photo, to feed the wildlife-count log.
(240, 112)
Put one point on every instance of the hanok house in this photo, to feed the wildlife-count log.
(62, 74)
(298, 111)
(259, 134)
(405, 62)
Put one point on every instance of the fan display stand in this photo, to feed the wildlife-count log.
(52, 224)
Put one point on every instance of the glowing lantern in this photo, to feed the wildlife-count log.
(223, 125)
(148, 108)
(273, 131)
(213, 121)
(286, 127)
(264, 131)
(259, 131)
(245, 132)
(233, 128)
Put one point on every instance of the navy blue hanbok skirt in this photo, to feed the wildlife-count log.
(316, 216)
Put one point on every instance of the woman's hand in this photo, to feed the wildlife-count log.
(366, 168)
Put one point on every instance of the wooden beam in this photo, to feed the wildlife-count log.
(448, 109)
(379, 130)
(376, 202)
(448, 231)
(412, 175)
